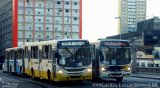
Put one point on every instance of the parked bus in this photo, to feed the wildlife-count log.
(112, 59)
(58, 60)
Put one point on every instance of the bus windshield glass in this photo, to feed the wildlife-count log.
(74, 56)
(115, 56)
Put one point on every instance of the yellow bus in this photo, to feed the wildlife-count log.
(59, 60)
(112, 59)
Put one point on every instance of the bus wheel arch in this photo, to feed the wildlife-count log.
(49, 75)
(32, 73)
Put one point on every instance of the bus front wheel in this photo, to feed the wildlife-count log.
(49, 76)
(32, 73)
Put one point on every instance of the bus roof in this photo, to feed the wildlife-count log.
(50, 42)
(14, 48)
(97, 42)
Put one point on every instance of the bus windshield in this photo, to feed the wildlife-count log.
(115, 56)
(74, 57)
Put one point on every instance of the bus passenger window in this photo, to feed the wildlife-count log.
(46, 52)
(34, 52)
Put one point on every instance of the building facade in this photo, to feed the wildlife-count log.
(147, 34)
(129, 13)
(38, 20)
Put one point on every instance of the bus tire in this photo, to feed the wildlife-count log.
(119, 79)
(49, 76)
(32, 73)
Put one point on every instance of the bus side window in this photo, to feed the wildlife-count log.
(34, 52)
(46, 51)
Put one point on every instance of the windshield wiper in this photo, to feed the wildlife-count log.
(77, 52)
(68, 50)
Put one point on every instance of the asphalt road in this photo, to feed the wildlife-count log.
(14, 81)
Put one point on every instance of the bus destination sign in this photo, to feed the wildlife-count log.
(73, 43)
(114, 43)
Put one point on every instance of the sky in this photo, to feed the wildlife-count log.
(98, 17)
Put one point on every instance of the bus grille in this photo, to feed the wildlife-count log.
(75, 73)
(116, 74)
(114, 68)
(75, 77)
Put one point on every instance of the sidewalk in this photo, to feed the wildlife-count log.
(147, 75)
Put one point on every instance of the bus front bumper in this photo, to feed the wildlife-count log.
(114, 74)
(64, 77)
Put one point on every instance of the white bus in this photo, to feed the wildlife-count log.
(14, 60)
(112, 59)
(58, 60)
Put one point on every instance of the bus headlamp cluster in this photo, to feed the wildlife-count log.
(103, 69)
(89, 70)
(128, 68)
(60, 71)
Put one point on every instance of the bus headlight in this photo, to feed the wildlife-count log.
(89, 70)
(103, 69)
(128, 68)
(60, 71)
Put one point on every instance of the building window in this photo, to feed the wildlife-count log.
(39, 27)
(76, 11)
(27, 1)
(58, 2)
(60, 10)
(39, 19)
(75, 18)
(47, 20)
(67, 3)
(48, 10)
(47, 36)
(75, 3)
(39, 4)
(67, 10)
(39, 12)
(56, 28)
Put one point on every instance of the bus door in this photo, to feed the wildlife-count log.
(15, 60)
